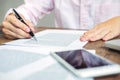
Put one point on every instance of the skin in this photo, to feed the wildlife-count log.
(13, 28)
(105, 31)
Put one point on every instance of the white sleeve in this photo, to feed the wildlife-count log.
(34, 10)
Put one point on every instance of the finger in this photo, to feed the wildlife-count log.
(17, 23)
(109, 36)
(99, 35)
(95, 33)
(31, 26)
(87, 35)
(11, 35)
(15, 30)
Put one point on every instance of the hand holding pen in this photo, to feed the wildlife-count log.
(20, 18)
(14, 28)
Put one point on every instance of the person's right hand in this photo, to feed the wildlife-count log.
(12, 28)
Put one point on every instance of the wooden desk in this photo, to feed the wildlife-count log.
(100, 49)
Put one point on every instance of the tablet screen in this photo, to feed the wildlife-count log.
(82, 59)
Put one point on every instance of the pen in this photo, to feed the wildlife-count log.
(20, 18)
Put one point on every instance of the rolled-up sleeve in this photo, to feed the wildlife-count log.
(34, 10)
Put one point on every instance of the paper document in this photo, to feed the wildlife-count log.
(26, 59)
(21, 65)
(50, 40)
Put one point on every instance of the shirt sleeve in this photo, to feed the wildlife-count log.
(34, 10)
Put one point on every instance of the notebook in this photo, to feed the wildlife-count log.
(113, 44)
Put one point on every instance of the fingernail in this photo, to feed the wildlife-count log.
(27, 29)
(83, 39)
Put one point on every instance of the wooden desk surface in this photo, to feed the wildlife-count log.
(100, 50)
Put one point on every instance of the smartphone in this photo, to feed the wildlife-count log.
(85, 64)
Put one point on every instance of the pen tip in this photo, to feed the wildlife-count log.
(35, 38)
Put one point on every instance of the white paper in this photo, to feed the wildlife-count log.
(49, 40)
(21, 65)
(40, 67)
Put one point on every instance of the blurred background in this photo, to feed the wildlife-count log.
(47, 21)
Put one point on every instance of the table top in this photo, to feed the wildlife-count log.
(96, 45)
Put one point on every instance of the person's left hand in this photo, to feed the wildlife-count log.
(105, 31)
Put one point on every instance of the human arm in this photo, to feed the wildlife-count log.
(31, 11)
(13, 28)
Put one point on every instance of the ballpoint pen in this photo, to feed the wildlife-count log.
(20, 18)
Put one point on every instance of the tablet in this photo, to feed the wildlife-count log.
(85, 64)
